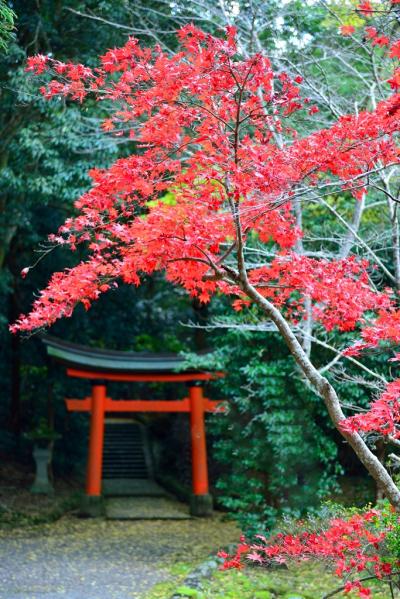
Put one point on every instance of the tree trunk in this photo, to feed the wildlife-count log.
(15, 367)
(328, 393)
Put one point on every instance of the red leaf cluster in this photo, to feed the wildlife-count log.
(383, 416)
(353, 544)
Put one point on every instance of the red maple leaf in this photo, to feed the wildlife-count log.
(395, 50)
(347, 30)
(365, 8)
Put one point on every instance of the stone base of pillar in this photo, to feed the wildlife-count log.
(91, 507)
(201, 505)
(41, 484)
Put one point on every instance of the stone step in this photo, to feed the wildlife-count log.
(146, 508)
(124, 455)
(124, 473)
(115, 468)
(135, 487)
(123, 450)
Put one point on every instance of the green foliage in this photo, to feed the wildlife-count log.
(168, 199)
(274, 443)
(42, 432)
(7, 17)
(343, 11)
(389, 521)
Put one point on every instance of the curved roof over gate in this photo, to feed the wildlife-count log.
(82, 357)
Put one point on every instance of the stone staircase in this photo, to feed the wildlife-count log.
(127, 462)
(128, 477)
(126, 453)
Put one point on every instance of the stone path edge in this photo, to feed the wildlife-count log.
(194, 580)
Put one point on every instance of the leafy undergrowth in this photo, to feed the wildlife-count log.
(306, 581)
(20, 508)
(36, 513)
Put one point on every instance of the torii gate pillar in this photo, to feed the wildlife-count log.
(96, 440)
(201, 500)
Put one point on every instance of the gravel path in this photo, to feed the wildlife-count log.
(98, 559)
(105, 564)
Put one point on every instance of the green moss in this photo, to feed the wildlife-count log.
(306, 581)
(162, 590)
(178, 571)
(181, 569)
(188, 592)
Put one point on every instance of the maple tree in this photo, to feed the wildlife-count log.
(362, 546)
(216, 131)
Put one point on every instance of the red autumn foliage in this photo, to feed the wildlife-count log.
(366, 8)
(355, 544)
(206, 125)
(347, 30)
(383, 415)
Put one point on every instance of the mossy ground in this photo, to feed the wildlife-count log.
(307, 581)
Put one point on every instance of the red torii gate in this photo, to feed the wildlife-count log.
(100, 366)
